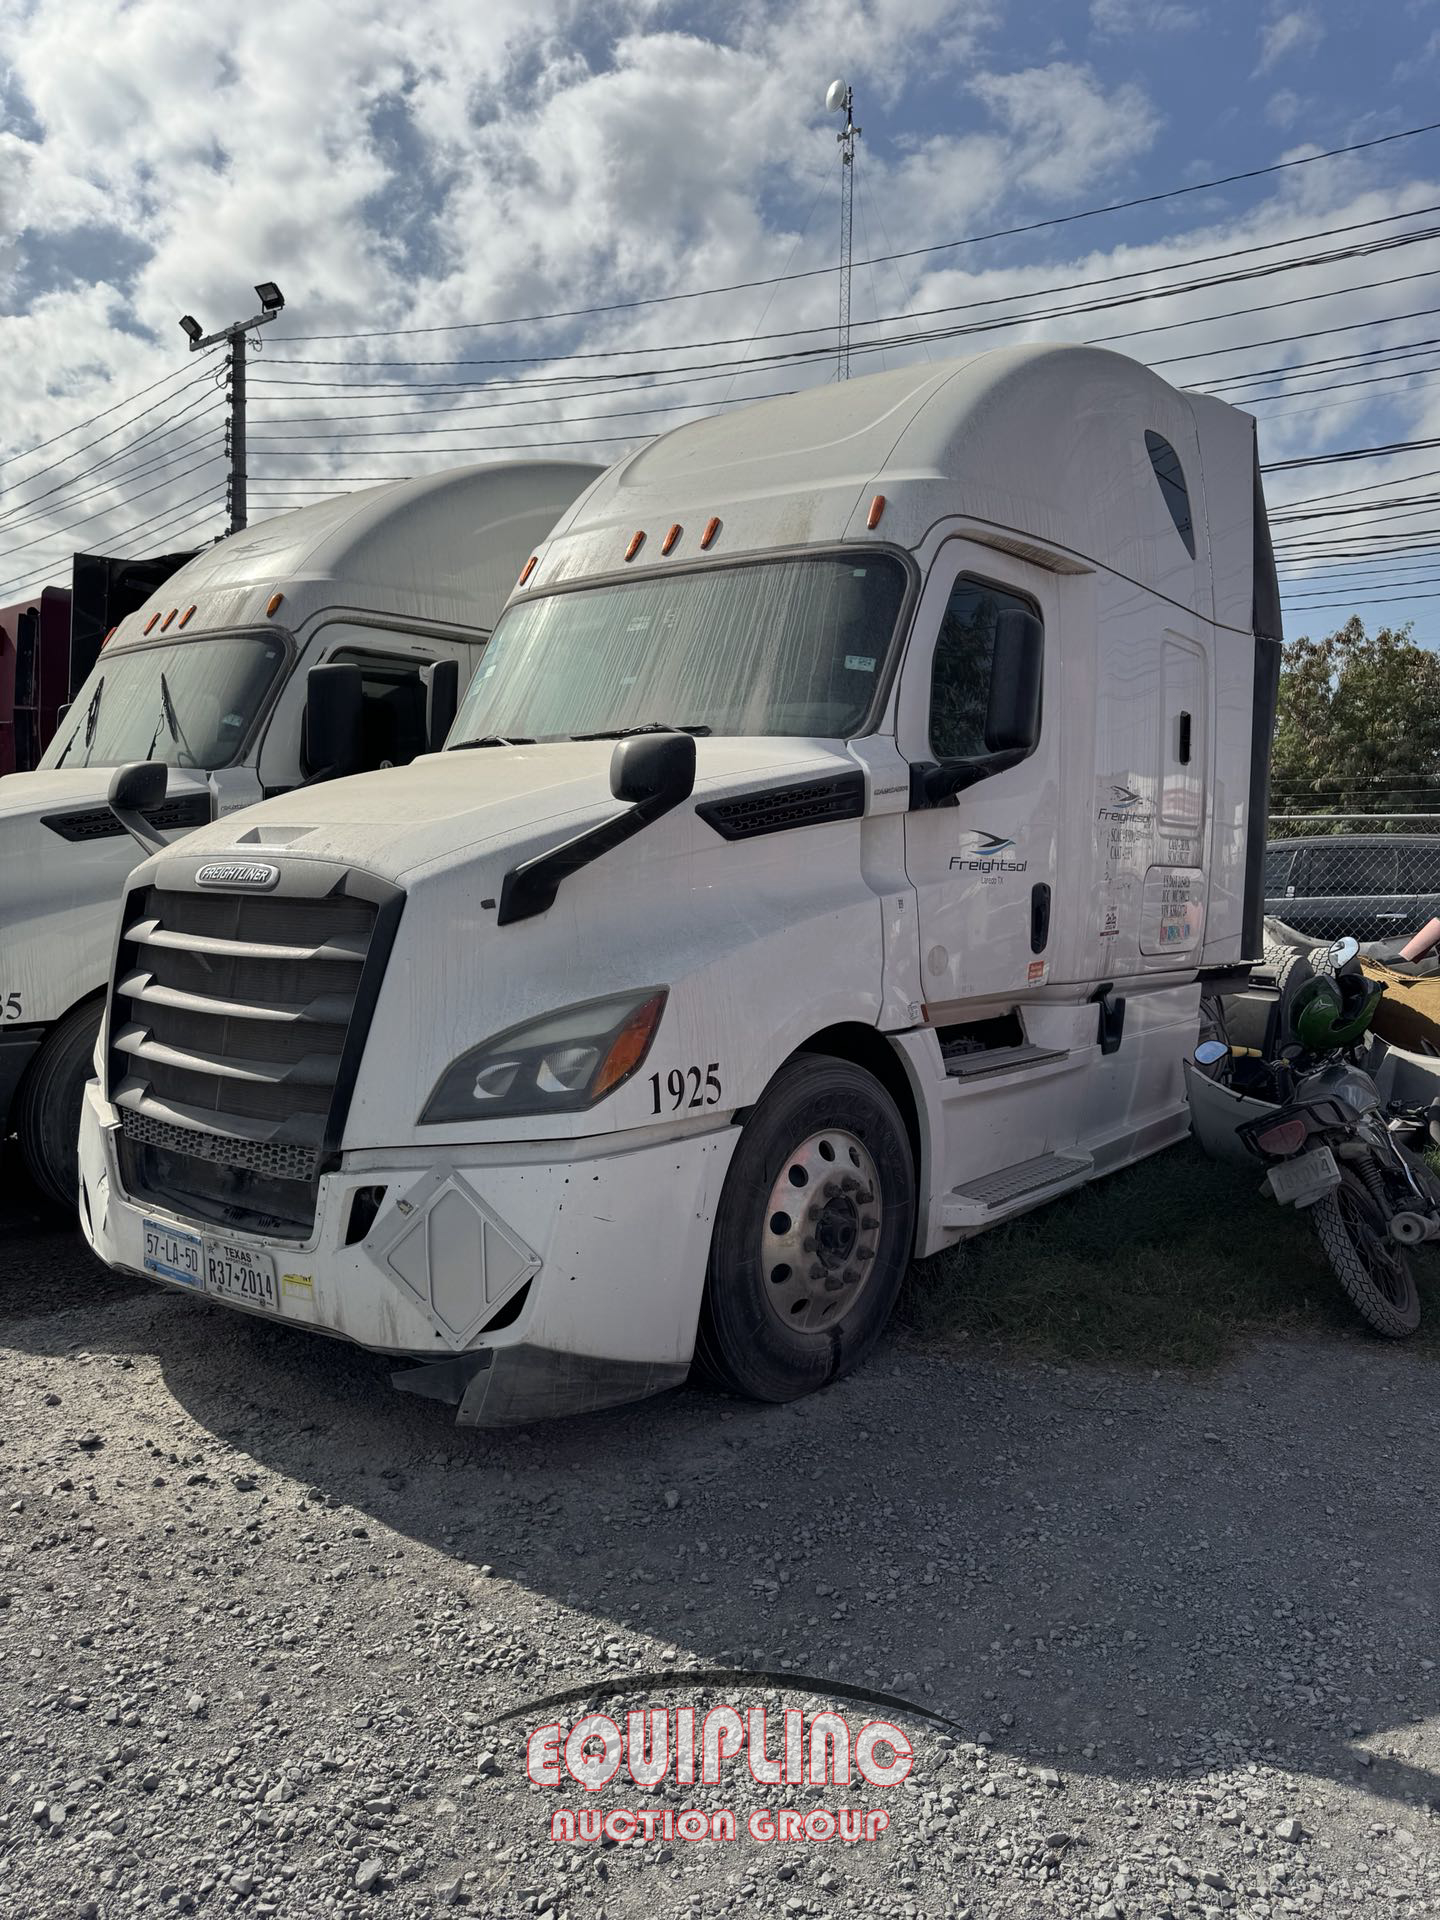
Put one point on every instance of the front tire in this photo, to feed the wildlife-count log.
(813, 1233)
(47, 1113)
(1372, 1268)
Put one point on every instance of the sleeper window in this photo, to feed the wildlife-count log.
(1171, 475)
(964, 659)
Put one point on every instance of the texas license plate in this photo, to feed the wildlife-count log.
(172, 1255)
(240, 1274)
(1299, 1183)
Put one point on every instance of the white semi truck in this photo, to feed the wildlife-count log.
(211, 677)
(826, 864)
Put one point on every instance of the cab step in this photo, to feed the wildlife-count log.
(988, 1060)
(980, 1203)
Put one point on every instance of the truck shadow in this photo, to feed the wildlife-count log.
(1132, 1574)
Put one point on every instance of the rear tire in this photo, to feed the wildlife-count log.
(47, 1113)
(1372, 1268)
(813, 1233)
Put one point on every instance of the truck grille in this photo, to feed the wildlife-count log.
(233, 1041)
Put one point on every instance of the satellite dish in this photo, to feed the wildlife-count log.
(835, 96)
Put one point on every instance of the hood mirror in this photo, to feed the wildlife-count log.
(135, 791)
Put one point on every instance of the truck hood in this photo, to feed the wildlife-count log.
(58, 789)
(39, 793)
(443, 806)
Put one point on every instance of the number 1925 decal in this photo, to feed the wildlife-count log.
(686, 1087)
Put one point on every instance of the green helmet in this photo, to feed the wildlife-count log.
(1331, 1011)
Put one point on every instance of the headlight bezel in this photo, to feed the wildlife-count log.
(620, 1048)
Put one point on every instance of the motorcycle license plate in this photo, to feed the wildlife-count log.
(1300, 1183)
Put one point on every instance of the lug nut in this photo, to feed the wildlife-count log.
(869, 1223)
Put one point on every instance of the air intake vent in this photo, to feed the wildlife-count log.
(743, 816)
(99, 823)
(234, 1040)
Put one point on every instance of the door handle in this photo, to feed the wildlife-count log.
(1039, 916)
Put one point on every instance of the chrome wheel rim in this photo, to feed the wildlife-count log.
(821, 1231)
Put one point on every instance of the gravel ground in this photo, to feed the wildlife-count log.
(258, 1613)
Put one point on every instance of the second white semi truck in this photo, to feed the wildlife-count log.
(826, 863)
(211, 677)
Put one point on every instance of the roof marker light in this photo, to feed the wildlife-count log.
(272, 605)
(671, 537)
(712, 527)
(187, 613)
(637, 540)
(151, 621)
(168, 618)
(528, 568)
(877, 507)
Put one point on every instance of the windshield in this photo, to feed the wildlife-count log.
(190, 703)
(782, 647)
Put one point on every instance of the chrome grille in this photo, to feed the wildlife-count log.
(229, 1017)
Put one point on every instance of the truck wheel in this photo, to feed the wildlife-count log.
(813, 1233)
(47, 1115)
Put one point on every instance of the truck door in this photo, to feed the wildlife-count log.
(984, 868)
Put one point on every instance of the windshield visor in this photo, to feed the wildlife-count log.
(190, 703)
(793, 647)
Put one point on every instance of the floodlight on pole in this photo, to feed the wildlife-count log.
(272, 301)
(840, 98)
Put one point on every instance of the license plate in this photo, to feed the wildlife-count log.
(1299, 1183)
(240, 1274)
(171, 1254)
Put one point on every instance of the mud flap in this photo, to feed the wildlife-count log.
(511, 1386)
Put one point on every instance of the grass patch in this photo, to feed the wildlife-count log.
(1165, 1264)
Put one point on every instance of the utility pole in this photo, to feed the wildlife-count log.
(272, 301)
(840, 98)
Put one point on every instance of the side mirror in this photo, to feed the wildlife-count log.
(442, 699)
(1012, 717)
(135, 791)
(654, 770)
(333, 700)
(1210, 1053)
(1343, 952)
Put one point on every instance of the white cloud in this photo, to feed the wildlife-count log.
(1289, 35)
(1124, 17)
(1066, 129)
(1284, 108)
(438, 163)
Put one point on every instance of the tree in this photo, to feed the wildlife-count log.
(1358, 724)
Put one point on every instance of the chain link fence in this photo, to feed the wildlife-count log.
(1376, 876)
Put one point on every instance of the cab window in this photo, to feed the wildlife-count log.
(392, 714)
(963, 665)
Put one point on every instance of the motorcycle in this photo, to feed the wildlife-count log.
(1330, 1144)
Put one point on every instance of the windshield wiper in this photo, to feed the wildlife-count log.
(493, 740)
(92, 718)
(645, 726)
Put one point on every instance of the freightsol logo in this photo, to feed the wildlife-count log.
(983, 852)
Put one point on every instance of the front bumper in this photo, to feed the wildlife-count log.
(594, 1264)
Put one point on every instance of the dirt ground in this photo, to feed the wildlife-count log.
(259, 1614)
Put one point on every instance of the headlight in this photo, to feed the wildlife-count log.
(557, 1064)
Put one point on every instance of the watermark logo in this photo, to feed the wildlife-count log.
(630, 1753)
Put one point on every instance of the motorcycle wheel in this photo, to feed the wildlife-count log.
(1372, 1268)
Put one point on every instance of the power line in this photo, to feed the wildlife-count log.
(109, 484)
(911, 253)
(104, 413)
(165, 515)
(109, 434)
(104, 513)
(194, 408)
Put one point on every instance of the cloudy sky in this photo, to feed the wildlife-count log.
(424, 179)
